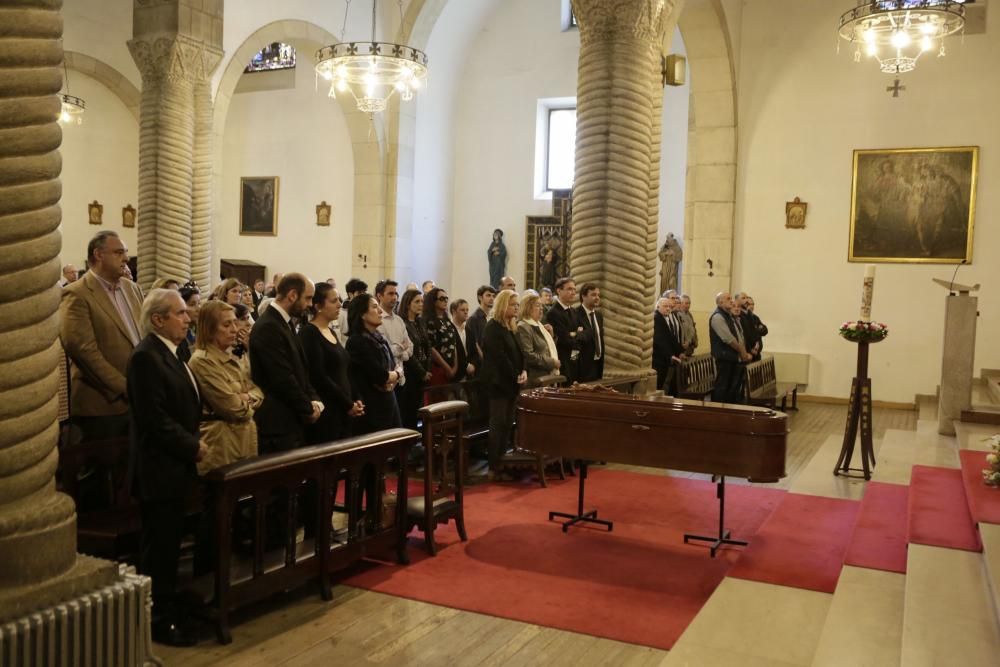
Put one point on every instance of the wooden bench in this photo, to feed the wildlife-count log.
(361, 463)
(696, 377)
(762, 388)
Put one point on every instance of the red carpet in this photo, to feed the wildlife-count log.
(939, 513)
(639, 584)
(802, 544)
(879, 539)
(984, 501)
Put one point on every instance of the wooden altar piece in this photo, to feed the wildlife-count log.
(961, 311)
(859, 414)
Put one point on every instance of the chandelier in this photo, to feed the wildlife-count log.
(72, 107)
(897, 32)
(372, 72)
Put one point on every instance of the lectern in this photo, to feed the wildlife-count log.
(960, 315)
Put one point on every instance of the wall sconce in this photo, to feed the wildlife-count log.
(673, 69)
(364, 260)
(711, 266)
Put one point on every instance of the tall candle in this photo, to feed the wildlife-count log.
(866, 293)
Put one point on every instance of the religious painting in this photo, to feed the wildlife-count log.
(95, 213)
(913, 205)
(323, 211)
(259, 206)
(128, 216)
(546, 251)
(795, 214)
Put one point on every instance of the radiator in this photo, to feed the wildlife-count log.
(109, 627)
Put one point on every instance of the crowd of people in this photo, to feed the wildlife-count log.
(200, 381)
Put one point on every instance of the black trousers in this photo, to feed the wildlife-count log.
(160, 550)
(501, 425)
(729, 382)
(666, 379)
(410, 398)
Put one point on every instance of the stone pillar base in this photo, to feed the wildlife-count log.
(87, 574)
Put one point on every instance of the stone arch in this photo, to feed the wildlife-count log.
(367, 141)
(111, 78)
(712, 150)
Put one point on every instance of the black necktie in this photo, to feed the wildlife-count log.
(597, 335)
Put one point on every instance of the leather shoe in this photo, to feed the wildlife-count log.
(172, 634)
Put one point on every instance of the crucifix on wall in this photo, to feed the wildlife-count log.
(895, 88)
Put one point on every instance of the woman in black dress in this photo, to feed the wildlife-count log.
(418, 366)
(503, 373)
(328, 369)
(372, 369)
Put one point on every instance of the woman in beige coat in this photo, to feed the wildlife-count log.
(535, 339)
(228, 394)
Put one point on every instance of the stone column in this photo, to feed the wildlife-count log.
(176, 45)
(38, 560)
(615, 199)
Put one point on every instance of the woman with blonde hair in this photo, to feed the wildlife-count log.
(229, 291)
(535, 339)
(503, 373)
(228, 394)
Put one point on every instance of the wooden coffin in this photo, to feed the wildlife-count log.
(660, 432)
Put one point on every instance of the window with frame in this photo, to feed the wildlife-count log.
(560, 149)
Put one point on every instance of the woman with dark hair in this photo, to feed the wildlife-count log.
(503, 373)
(244, 322)
(372, 368)
(443, 338)
(328, 364)
(418, 366)
(192, 299)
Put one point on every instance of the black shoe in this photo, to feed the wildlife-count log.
(172, 634)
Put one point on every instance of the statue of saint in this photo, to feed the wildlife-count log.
(496, 254)
(670, 256)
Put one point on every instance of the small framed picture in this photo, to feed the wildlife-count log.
(128, 216)
(95, 213)
(795, 214)
(323, 211)
(259, 206)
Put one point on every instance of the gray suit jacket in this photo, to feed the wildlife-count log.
(537, 359)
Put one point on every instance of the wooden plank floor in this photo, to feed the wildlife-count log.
(366, 628)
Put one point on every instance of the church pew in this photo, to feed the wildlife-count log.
(762, 388)
(362, 463)
(696, 377)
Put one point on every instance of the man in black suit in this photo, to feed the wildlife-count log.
(566, 329)
(668, 350)
(278, 366)
(592, 338)
(257, 293)
(476, 324)
(164, 409)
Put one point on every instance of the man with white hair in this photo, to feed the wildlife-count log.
(689, 331)
(70, 275)
(165, 446)
(728, 349)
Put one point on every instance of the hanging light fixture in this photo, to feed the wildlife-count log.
(897, 32)
(72, 107)
(372, 72)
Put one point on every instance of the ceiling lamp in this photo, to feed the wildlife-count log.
(372, 72)
(897, 32)
(72, 107)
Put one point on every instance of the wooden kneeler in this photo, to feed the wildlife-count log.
(442, 499)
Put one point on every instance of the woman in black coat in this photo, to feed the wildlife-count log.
(328, 365)
(418, 366)
(503, 373)
(373, 368)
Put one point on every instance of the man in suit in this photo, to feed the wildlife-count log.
(566, 329)
(278, 366)
(476, 323)
(728, 349)
(165, 446)
(257, 293)
(592, 338)
(668, 350)
(70, 275)
(98, 318)
(754, 329)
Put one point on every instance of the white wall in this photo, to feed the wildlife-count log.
(100, 161)
(803, 109)
(300, 136)
(494, 128)
(101, 29)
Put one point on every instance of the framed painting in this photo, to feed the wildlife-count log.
(323, 211)
(95, 213)
(259, 206)
(128, 216)
(546, 250)
(914, 205)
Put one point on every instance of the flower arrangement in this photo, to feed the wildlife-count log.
(991, 475)
(862, 331)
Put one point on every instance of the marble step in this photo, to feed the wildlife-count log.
(990, 534)
(900, 450)
(864, 626)
(970, 435)
(948, 611)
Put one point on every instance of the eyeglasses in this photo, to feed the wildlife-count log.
(442, 298)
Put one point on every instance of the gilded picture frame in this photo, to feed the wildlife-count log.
(128, 216)
(95, 213)
(259, 205)
(913, 205)
(323, 213)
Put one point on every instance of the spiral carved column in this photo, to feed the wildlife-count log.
(174, 216)
(38, 561)
(615, 195)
